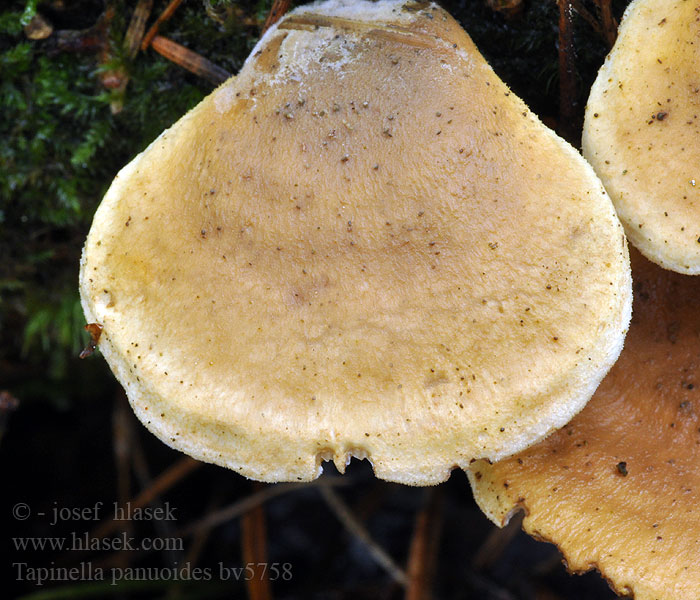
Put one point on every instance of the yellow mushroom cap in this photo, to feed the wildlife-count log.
(642, 130)
(618, 488)
(363, 245)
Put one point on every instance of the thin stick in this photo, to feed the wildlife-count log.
(167, 479)
(568, 92)
(608, 21)
(496, 543)
(254, 542)
(211, 520)
(588, 16)
(122, 456)
(121, 442)
(345, 516)
(8, 404)
(137, 27)
(278, 10)
(249, 502)
(201, 537)
(164, 16)
(424, 545)
(193, 62)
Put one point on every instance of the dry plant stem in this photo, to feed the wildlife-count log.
(163, 527)
(424, 546)
(372, 501)
(92, 39)
(112, 79)
(549, 564)
(233, 511)
(242, 506)
(278, 10)
(164, 16)
(189, 60)
(588, 17)
(569, 117)
(254, 550)
(122, 447)
(122, 456)
(137, 27)
(508, 8)
(199, 539)
(345, 516)
(609, 24)
(495, 544)
(167, 479)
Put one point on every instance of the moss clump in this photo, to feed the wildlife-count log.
(62, 146)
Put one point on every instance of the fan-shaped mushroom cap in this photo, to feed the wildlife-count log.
(642, 130)
(364, 245)
(618, 488)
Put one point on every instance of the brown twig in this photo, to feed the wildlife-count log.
(121, 441)
(508, 8)
(167, 479)
(199, 538)
(568, 89)
(193, 62)
(93, 39)
(249, 502)
(224, 515)
(588, 16)
(345, 516)
(604, 24)
(496, 542)
(137, 27)
(424, 546)
(608, 22)
(254, 547)
(164, 16)
(278, 10)
(114, 78)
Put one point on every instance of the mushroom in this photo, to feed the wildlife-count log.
(642, 130)
(363, 245)
(618, 488)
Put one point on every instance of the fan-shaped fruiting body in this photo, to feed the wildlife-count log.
(618, 488)
(642, 130)
(363, 245)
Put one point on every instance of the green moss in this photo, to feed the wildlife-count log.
(62, 146)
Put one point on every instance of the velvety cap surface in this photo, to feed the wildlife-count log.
(363, 245)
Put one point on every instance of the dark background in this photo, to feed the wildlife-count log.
(69, 439)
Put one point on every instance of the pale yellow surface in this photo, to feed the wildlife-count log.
(641, 530)
(364, 245)
(642, 130)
